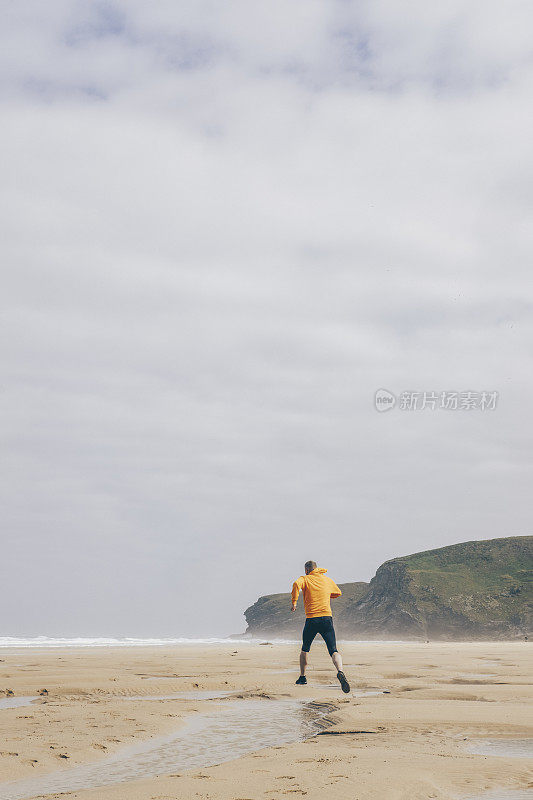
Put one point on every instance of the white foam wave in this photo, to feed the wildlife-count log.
(103, 641)
(99, 641)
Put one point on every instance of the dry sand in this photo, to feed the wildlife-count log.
(407, 744)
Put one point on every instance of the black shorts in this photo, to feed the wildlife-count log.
(323, 626)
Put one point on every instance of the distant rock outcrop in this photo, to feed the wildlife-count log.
(473, 590)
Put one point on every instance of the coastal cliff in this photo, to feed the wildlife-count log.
(472, 590)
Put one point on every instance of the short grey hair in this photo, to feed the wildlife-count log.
(310, 566)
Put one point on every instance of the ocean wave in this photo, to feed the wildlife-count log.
(126, 641)
(101, 641)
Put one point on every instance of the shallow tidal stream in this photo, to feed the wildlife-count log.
(229, 730)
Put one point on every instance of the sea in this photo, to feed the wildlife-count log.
(19, 642)
(97, 641)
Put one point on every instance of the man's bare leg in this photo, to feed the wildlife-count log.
(302, 680)
(337, 660)
(303, 662)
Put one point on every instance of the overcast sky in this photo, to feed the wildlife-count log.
(225, 225)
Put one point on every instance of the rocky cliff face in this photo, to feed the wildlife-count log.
(473, 590)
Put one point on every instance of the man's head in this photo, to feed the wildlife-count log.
(309, 566)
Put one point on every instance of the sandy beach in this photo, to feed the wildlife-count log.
(406, 731)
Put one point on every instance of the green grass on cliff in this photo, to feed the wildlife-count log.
(484, 579)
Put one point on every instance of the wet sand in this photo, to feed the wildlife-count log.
(414, 742)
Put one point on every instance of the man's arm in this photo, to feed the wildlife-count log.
(335, 591)
(297, 587)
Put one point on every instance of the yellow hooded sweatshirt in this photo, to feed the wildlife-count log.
(317, 590)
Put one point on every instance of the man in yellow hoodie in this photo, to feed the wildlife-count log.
(317, 590)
